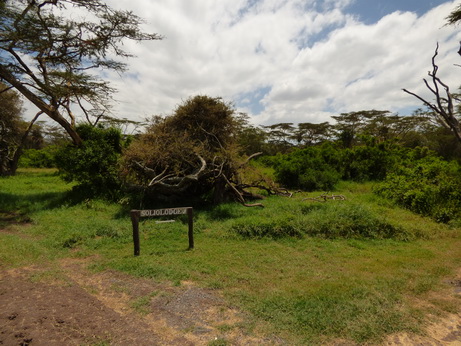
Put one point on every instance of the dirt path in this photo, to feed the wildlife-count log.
(68, 305)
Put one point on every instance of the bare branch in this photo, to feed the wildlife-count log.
(443, 107)
(252, 156)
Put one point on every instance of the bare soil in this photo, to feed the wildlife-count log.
(442, 328)
(69, 305)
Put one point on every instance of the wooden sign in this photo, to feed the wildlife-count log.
(163, 212)
(137, 214)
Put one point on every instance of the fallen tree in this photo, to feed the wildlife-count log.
(193, 153)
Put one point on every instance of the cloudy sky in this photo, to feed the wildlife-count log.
(287, 60)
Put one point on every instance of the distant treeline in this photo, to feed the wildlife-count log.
(354, 129)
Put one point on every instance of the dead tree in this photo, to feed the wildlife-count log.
(194, 153)
(443, 106)
(220, 177)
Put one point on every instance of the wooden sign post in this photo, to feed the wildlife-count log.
(137, 214)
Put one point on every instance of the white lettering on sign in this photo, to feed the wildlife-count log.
(163, 212)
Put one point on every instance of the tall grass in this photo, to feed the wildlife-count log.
(310, 272)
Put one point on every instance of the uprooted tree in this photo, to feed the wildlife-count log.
(52, 58)
(193, 152)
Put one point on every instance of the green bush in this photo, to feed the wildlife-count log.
(329, 220)
(321, 167)
(307, 169)
(369, 162)
(344, 220)
(94, 164)
(39, 158)
(429, 186)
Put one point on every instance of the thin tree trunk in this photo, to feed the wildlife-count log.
(14, 161)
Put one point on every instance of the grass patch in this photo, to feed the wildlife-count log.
(310, 272)
(17, 250)
(141, 305)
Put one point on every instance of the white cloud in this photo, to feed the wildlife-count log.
(311, 64)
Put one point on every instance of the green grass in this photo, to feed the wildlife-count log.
(302, 270)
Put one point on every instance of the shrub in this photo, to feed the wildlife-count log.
(369, 162)
(307, 169)
(269, 228)
(94, 164)
(341, 220)
(39, 158)
(334, 220)
(321, 167)
(429, 187)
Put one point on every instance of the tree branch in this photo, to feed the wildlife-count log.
(443, 107)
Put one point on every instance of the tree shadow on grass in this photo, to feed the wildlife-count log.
(27, 204)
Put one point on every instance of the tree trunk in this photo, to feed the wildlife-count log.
(51, 111)
(219, 191)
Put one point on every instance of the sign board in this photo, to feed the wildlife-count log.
(137, 214)
(163, 212)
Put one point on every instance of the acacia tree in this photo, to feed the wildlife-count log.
(50, 57)
(308, 134)
(455, 16)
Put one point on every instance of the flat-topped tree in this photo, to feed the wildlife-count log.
(51, 57)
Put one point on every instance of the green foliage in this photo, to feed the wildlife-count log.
(368, 162)
(39, 158)
(309, 169)
(275, 228)
(12, 128)
(332, 220)
(321, 167)
(429, 186)
(94, 164)
(346, 220)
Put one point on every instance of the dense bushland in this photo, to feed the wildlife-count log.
(309, 169)
(416, 179)
(199, 153)
(39, 158)
(321, 167)
(429, 186)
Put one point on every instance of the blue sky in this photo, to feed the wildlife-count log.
(371, 11)
(286, 60)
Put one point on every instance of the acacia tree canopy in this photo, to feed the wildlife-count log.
(455, 16)
(50, 58)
